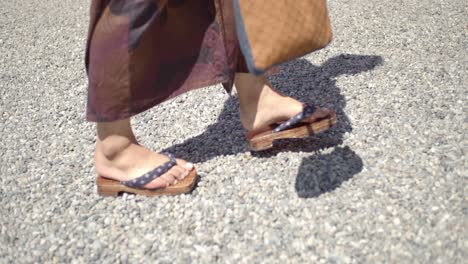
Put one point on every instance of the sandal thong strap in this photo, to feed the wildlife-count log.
(307, 111)
(146, 178)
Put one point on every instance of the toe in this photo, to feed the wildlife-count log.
(319, 114)
(178, 172)
(189, 166)
(184, 164)
(172, 176)
(163, 181)
(323, 112)
(169, 178)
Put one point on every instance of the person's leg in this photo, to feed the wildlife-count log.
(260, 104)
(118, 156)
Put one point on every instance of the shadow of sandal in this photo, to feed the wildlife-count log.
(324, 173)
(299, 79)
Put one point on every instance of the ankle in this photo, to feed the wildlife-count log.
(249, 89)
(256, 104)
(112, 146)
(254, 101)
(113, 138)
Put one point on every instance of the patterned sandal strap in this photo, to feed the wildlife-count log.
(307, 111)
(146, 178)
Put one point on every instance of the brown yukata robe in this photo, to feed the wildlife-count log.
(143, 52)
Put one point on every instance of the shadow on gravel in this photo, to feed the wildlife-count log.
(299, 79)
(323, 173)
(308, 83)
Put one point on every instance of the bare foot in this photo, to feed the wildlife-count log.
(118, 156)
(260, 104)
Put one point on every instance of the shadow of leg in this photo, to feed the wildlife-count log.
(299, 79)
(225, 137)
(319, 174)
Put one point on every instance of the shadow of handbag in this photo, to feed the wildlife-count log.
(271, 32)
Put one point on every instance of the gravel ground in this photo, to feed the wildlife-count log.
(388, 184)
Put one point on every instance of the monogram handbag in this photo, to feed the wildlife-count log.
(271, 32)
